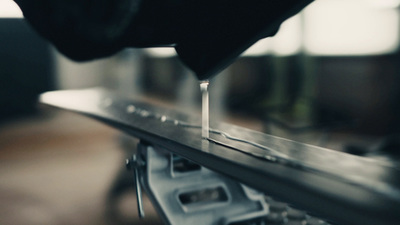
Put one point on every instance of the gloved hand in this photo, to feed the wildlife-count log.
(207, 34)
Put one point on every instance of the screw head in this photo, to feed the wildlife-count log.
(131, 163)
(128, 164)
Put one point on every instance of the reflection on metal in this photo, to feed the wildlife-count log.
(205, 116)
(304, 175)
(162, 52)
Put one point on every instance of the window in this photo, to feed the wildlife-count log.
(9, 9)
(356, 27)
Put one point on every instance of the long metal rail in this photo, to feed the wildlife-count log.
(337, 186)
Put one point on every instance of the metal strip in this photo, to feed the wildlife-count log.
(340, 187)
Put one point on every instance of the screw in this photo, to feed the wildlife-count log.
(132, 164)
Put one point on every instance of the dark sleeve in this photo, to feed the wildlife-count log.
(81, 29)
(89, 29)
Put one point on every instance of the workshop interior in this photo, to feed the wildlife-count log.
(329, 79)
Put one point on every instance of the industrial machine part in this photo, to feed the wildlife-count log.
(186, 193)
(345, 189)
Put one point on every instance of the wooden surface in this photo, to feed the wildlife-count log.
(58, 168)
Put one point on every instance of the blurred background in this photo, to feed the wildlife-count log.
(330, 77)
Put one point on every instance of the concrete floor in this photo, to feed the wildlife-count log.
(58, 167)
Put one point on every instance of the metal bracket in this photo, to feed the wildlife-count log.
(186, 193)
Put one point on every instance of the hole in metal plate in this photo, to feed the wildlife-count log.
(182, 165)
(204, 196)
